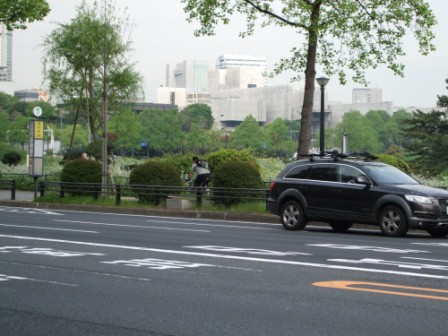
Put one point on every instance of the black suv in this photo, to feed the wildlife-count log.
(344, 191)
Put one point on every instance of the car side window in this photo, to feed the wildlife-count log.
(347, 174)
(302, 172)
(324, 173)
(315, 172)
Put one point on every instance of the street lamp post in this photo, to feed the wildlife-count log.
(322, 81)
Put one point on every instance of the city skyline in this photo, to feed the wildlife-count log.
(161, 35)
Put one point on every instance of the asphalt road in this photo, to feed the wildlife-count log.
(79, 273)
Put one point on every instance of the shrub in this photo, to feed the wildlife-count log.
(396, 162)
(153, 173)
(86, 174)
(72, 154)
(235, 174)
(11, 158)
(95, 149)
(182, 162)
(216, 158)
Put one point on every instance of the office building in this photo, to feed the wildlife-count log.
(5, 54)
(192, 75)
(31, 95)
(367, 95)
(181, 97)
(237, 72)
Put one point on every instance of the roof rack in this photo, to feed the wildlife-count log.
(335, 155)
(366, 156)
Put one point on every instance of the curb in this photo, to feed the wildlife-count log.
(217, 215)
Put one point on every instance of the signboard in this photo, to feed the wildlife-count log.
(36, 148)
(38, 129)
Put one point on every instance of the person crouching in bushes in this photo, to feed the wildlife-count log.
(202, 172)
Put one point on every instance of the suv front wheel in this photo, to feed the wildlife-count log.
(392, 221)
(292, 216)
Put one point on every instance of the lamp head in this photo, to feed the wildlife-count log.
(322, 81)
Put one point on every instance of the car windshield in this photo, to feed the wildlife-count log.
(384, 174)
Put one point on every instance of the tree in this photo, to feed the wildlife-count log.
(247, 134)
(379, 120)
(15, 14)
(126, 126)
(198, 140)
(48, 112)
(163, 129)
(427, 142)
(18, 131)
(277, 136)
(197, 114)
(4, 125)
(86, 64)
(7, 101)
(77, 138)
(338, 34)
(395, 125)
(361, 136)
(443, 100)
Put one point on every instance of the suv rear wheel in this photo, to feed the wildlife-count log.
(292, 216)
(392, 221)
(340, 226)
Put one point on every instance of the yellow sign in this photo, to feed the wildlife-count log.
(38, 129)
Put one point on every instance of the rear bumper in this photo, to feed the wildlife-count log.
(273, 207)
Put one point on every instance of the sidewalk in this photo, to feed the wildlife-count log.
(5, 195)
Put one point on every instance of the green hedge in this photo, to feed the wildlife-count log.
(235, 174)
(153, 173)
(85, 173)
(216, 158)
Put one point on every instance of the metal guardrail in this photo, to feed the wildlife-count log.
(155, 194)
(9, 185)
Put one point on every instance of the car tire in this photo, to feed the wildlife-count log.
(438, 232)
(292, 216)
(340, 226)
(392, 221)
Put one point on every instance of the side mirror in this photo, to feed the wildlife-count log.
(362, 179)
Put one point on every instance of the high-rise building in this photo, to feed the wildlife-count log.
(31, 95)
(367, 95)
(191, 75)
(238, 61)
(5, 54)
(238, 72)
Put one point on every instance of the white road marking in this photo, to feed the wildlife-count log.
(29, 210)
(246, 250)
(432, 244)
(46, 228)
(46, 251)
(131, 226)
(434, 260)
(399, 264)
(222, 256)
(4, 277)
(158, 264)
(214, 225)
(366, 248)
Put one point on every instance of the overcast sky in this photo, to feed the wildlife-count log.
(161, 35)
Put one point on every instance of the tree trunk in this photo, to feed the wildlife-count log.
(310, 76)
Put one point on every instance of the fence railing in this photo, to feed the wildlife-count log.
(155, 194)
(9, 185)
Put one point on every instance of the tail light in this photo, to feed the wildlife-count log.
(272, 186)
